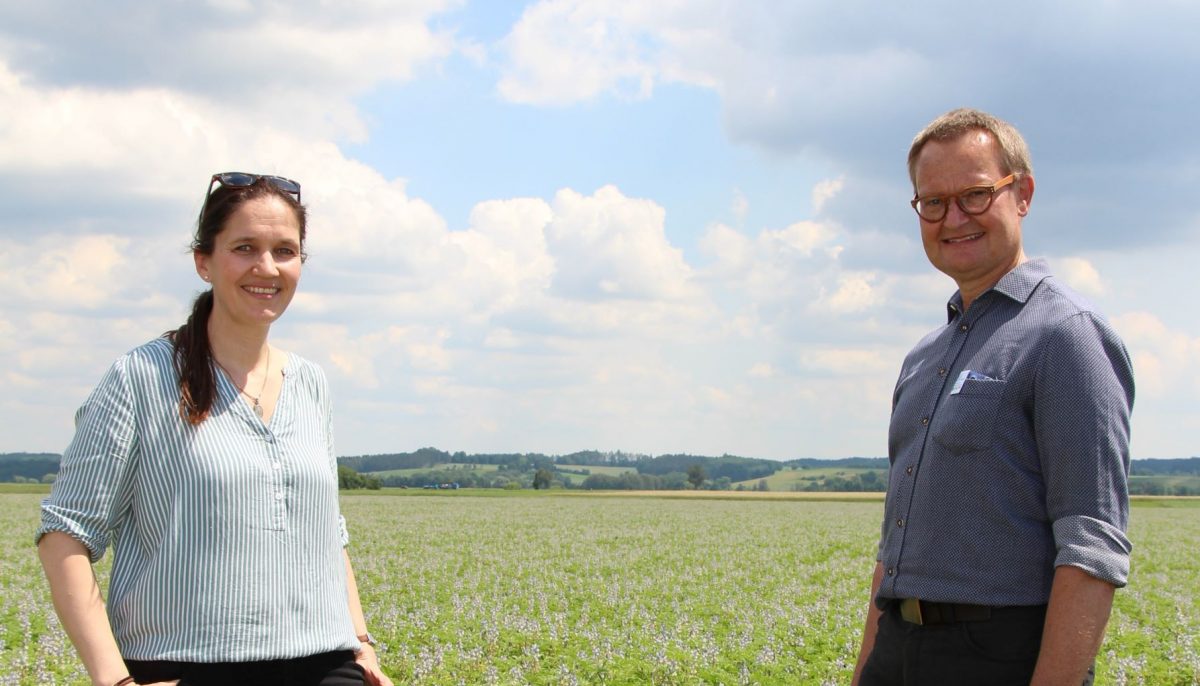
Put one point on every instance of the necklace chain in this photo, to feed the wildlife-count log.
(258, 408)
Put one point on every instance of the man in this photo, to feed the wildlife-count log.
(1004, 527)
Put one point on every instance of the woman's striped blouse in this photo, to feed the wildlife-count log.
(227, 537)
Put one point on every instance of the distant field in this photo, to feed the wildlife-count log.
(607, 471)
(576, 479)
(785, 479)
(571, 587)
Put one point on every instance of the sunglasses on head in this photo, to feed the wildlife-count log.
(242, 180)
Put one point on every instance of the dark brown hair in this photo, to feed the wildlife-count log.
(193, 351)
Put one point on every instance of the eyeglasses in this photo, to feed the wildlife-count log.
(242, 180)
(973, 200)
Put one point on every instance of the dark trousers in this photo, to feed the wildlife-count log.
(326, 669)
(998, 651)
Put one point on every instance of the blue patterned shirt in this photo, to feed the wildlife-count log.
(1009, 449)
(227, 537)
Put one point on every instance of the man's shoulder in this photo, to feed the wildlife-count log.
(1055, 305)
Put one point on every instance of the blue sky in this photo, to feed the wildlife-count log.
(586, 224)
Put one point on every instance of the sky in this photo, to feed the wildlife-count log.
(678, 226)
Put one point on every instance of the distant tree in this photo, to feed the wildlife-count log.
(543, 478)
(762, 485)
(696, 475)
(350, 479)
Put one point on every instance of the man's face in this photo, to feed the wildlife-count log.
(974, 250)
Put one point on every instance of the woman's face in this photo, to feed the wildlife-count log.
(255, 263)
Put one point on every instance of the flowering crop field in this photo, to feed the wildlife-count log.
(483, 588)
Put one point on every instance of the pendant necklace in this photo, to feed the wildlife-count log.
(258, 409)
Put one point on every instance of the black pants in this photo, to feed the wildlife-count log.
(995, 652)
(326, 669)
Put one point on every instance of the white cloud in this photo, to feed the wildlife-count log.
(608, 245)
(1080, 274)
(578, 319)
(854, 293)
(64, 271)
(564, 51)
(825, 190)
(846, 361)
(1165, 362)
(740, 205)
(761, 370)
(730, 249)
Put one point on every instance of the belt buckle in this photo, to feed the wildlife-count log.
(910, 610)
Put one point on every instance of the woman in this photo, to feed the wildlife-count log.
(205, 457)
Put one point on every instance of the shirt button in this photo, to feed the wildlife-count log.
(891, 571)
(908, 469)
(276, 465)
(963, 327)
(924, 421)
(279, 496)
(942, 371)
(900, 523)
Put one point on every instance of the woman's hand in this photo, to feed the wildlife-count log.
(369, 661)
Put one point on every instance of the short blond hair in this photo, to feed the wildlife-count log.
(1013, 150)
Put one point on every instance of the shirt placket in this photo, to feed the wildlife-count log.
(278, 481)
(906, 474)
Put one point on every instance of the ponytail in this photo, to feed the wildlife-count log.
(193, 356)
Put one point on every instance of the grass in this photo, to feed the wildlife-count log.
(568, 587)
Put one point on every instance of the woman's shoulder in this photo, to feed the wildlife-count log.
(153, 356)
(303, 369)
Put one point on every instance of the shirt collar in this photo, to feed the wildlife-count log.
(1018, 285)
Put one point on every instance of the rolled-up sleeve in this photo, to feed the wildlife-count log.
(90, 490)
(1081, 411)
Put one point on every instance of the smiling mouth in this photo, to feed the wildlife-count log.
(963, 239)
(261, 290)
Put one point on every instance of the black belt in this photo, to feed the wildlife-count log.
(926, 612)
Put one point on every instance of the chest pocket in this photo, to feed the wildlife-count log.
(966, 421)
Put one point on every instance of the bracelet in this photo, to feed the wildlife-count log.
(125, 682)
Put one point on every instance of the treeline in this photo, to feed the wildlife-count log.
(432, 457)
(462, 477)
(350, 479)
(28, 467)
(1187, 466)
(729, 467)
(431, 466)
(845, 463)
(518, 470)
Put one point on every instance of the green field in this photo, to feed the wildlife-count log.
(570, 588)
(795, 479)
(576, 479)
